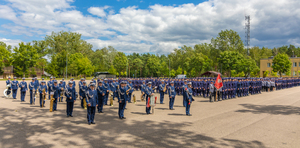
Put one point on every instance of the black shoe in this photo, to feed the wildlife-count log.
(71, 115)
(120, 118)
(124, 117)
(68, 116)
(93, 123)
(89, 123)
(189, 114)
(101, 112)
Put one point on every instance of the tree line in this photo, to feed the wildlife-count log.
(63, 51)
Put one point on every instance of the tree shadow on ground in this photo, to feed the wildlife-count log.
(31, 127)
(270, 109)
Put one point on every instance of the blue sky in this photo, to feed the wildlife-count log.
(153, 26)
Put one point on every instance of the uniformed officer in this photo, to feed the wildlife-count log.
(36, 85)
(41, 88)
(143, 87)
(55, 90)
(172, 94)
(92, 103)
(184, 86)
(100, 96)
(211, 91)
(239, 91)
(113, 88)
(74, 83)
(49, 84)
(122, 99)
(106, 87)
(7, 83)
(82, 93)
(189, 99)
(70, 94)
(14, 87)
(31, 89)
(161, 91)
(130, 87)
(149, 93)
(23, 89)
(61, 90)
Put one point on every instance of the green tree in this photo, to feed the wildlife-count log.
(112, 70)
(281, 63)
(5, 56)
(24, 57)
(229, 40)
(120, 62)
(266, 73)
(179, 70)
(173, 73)
(230, 60)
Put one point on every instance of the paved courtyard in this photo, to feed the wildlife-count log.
(265, 120)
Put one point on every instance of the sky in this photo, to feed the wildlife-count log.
(154, 26)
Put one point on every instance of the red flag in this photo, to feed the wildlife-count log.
(219, 83)
(148, 103)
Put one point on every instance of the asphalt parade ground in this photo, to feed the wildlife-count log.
(270, 119)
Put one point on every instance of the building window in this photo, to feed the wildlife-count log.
(272, 64)
(295, 64)
(295, 73)
(269, 65)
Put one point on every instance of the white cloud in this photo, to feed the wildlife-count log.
(11, 42)
(158, 28)
(98, 11)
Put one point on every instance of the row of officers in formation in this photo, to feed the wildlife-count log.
(94, 96)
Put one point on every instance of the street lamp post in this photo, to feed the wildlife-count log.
(293, 64)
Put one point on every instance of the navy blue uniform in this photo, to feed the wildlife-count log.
(70, 94)
(172, 94)
(101, 94)
(92, 102)
(55, 90)
(122, 97)
(14, 87)
(31, 89)
(23, 89)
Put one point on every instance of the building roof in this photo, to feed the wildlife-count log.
(208, 73)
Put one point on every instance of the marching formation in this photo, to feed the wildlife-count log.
(94, 95)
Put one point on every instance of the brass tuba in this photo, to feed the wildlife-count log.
(111, 99)
(51, 102)
(127, 91)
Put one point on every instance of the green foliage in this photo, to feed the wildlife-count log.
(173, 73)
(112, 70)
(24, 58)
(266, 73)
(179, 71)
(120, 62)
(282, 64)
(4, 56)
(274, 74)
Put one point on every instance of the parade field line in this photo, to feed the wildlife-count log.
(270, 119)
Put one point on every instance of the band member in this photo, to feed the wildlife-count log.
(122, 99)
(55, 90)
(184, 94)
(82, 93)
(149, 93)
(189, 99)
(31, 88)
(106, 87)
(129, 86)
(49, 84)
(14, 87)
(172, 94)
(70, 94)
(7, 83)
(113, 88)
(116, 84)
(72, 80)
(36, 85)
(100, 94)
(92, 103)
(211, 91)
(23, 89)
(42, 87)
(161, 91)
(143, 87)
(61, 86)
